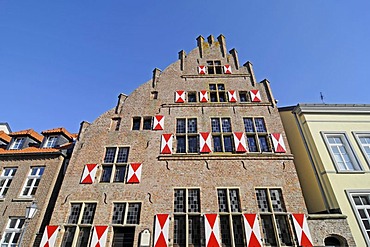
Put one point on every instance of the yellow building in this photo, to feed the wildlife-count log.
(331, 148)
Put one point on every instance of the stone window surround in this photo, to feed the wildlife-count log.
(127, 203)
(114, 164)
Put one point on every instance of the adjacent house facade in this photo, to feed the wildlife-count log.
(31, 171)
(331, 146)
(196, 156)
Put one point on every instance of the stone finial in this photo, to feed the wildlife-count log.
(156, 73)
(249, 66)
(222, 41)
(211, 39)
(182, 55)
(200, 41)
(121, 99)
(234, 53)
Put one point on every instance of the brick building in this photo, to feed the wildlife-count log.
(31, 171)
(196, 156)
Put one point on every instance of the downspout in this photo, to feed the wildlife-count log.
(312, 163)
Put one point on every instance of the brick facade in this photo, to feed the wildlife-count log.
(163, 173)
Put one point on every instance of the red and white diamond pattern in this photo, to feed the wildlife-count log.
(278, 142)
(158, 122)
(232, 95)
(255, 95)
(201, 69)
(205, 142)
(227, 69)
(180, 96)
(252, 230)
(88, 175)
(49, 236)
(302, 231)
(161, 229)
(203, 96)
(99, 237)
(212, 230)
(239, 141)
(134, 173)
(166, 144)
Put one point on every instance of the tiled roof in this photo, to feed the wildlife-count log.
(4, 136)
(29, 150)
(29, 132)
(58, 131)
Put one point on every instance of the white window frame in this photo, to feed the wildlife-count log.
(17, 143)
(51, 141)
(7, 176)
(358, 135)
(35, 181)
(348, 148)
(355, 208)
(17, 229)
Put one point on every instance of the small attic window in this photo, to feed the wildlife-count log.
(51, 142)
(214, 67)
(18, 143)
(116, 122)
(154, 95)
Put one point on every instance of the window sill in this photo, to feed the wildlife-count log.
(23, 199)
(350, 172)
(216, 75)
(227, 156)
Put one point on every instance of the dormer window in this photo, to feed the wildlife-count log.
(51, 142)
(18, 143)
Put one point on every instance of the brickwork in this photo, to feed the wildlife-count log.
(161, 174)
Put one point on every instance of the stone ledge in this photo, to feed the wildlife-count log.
(326, 216)
(226, 157)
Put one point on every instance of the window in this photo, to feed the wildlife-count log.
(115, 164)
(51, 142)
(217, 92)
(148, 123)
(243, 96)
(192, 97)
(221, 134)
(341, 152)
(6, 179)
(126, 213)
(116, 123)
(18, 143)
(32, 182)
(12, 232)
(361, 204)
(81, 217)
(274, 219)
(214, 67)
(256, 133)
(231, 221)
(136, 121)
(188, 223)
(363, 140)
(154, 95)
(186, 135)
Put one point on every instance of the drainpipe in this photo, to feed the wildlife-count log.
(312, 163)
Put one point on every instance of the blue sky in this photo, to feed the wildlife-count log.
(62, 62)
